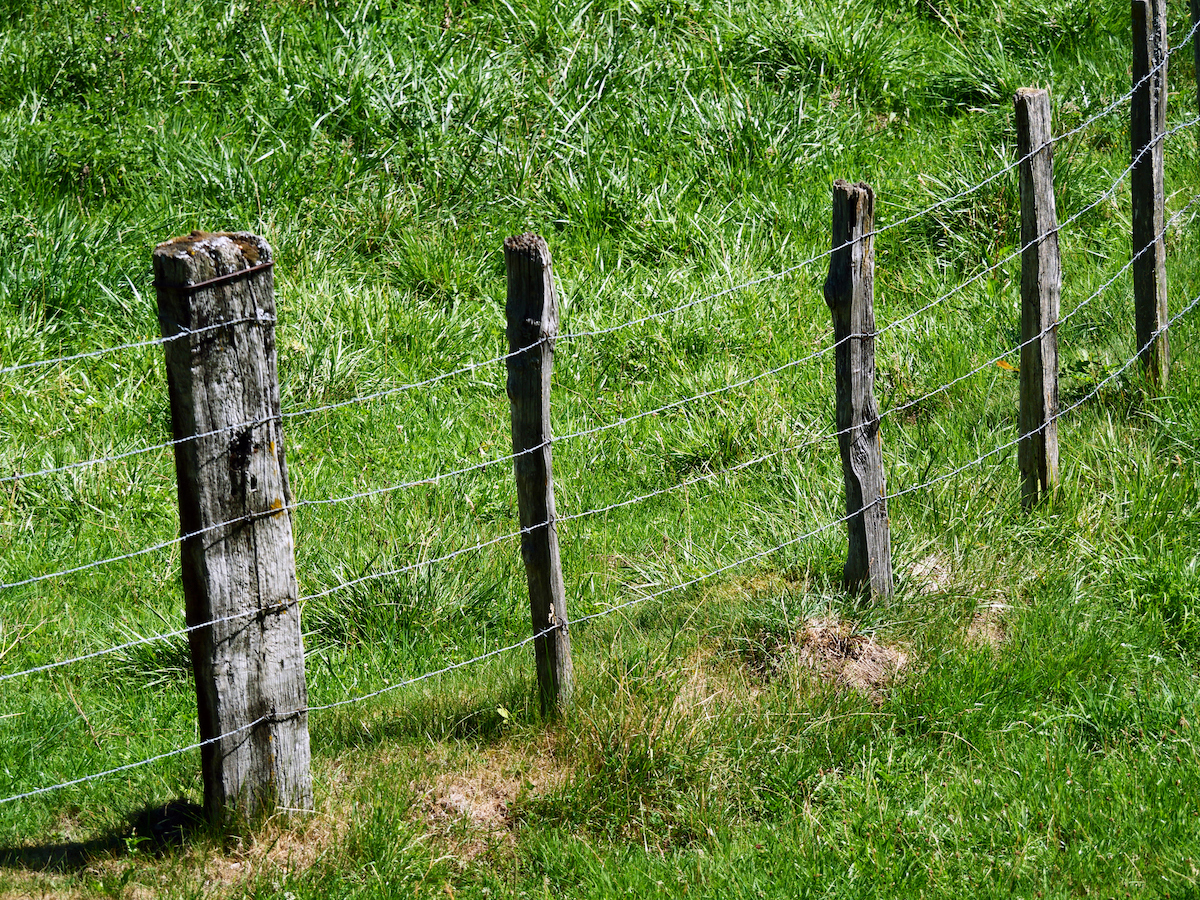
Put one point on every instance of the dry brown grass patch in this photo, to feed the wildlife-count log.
(833, 651)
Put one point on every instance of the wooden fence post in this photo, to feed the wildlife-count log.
(532, 311)
(239, 570)
(1195, 4)
(1041, 288)
(849, 291)
(1148, 121)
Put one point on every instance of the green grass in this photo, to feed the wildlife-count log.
(667, 151)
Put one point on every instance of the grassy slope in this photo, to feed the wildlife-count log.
(667, 151)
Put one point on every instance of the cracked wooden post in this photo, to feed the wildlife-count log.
(239, 570)
(1148, 122)
(849, 291)
(532, 311)
(1041, 288)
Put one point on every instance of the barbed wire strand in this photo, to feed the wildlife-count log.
(243, 519)
(885, 228)
(436, 479)
(585, 432)
(784, 367)
(250, 423)
(1104, 195)
(149, 639)
(472, 366)
(748, 463)
(137, 765)
(153, 342)
(572, 335)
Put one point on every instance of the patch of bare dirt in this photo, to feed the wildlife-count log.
(470, 806)
(987, 628)
(833, 651)
(930, 575)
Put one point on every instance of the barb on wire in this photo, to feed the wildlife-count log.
(149, 639)
(707, 476)
(1062, 412)
(435, 479)
(1051, 327)
(1104, 195)
(767, 373)
(470, 367)
(763, 553)
(248, 517)
(659, 314)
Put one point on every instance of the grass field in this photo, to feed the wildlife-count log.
(1020, 721)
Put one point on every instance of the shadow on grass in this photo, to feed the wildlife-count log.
(154, 829)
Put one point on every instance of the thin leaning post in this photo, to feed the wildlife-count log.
(532, 311)
(849, 291)
(1041, 289)
(1148, 122)
(239, 570)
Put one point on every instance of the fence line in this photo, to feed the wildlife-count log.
(708, 476)
(562, 518)
(137, 765)
(633, 601)
(905, 220)
(435, 479)
(20, 476)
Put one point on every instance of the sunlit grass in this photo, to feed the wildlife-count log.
(1040, 737)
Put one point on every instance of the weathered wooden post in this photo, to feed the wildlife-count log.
(1195, 4)
(239, 571)
(1148, 121)
(532, 311)
(850, 293)
(1041, 288)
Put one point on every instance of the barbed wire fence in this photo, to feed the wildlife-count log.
(438, 477)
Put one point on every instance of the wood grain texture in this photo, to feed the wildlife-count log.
(1148, 121)
(532, 311)
(1041, 290)
(251, 667)
(849, 291)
